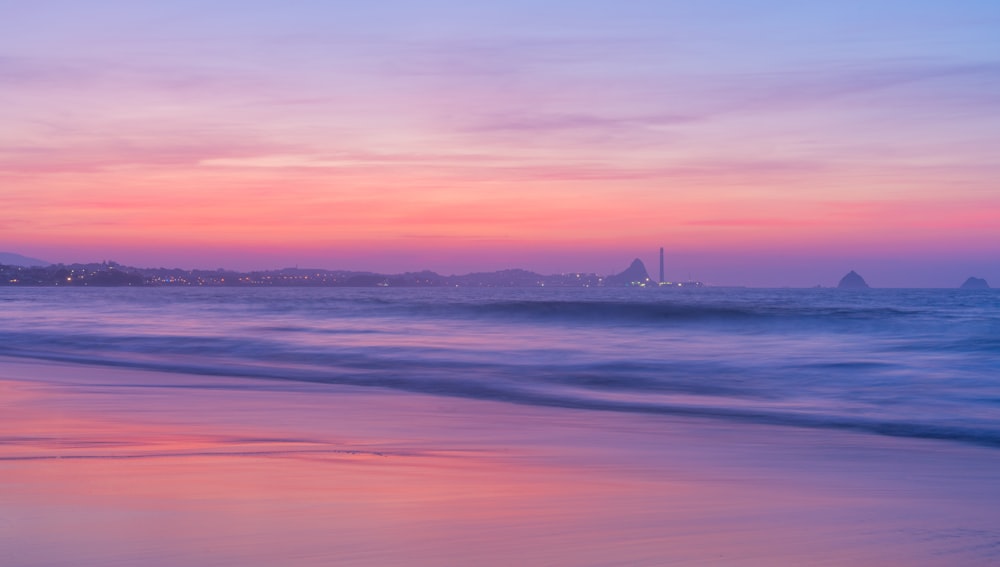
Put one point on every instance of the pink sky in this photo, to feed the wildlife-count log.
(763, 146)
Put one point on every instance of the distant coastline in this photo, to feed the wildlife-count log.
(114, 274)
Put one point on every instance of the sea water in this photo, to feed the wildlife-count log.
(910, 363)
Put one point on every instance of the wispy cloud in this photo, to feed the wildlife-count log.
(574, 121)
(35, 71)
(110, 154)
(823, 83)
(495, 59)
(361, 158)
(80, 72)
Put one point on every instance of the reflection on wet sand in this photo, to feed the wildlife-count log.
(114, 467)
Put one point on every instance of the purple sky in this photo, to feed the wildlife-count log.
(761, 143)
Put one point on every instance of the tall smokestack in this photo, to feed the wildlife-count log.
(661, 265)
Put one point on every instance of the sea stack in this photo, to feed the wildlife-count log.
(975, 283)
(634, 275)
(852, 281)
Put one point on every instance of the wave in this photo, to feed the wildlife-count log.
(645, 312)
(577, 388)
(901, 364)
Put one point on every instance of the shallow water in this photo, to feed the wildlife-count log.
(106, 466)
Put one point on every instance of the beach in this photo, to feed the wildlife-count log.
(499, 284)
(114, 466)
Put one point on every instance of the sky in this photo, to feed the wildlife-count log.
(761, 143)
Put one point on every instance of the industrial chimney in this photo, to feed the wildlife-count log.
(661, 265)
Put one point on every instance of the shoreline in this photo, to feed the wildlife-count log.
(113, 466)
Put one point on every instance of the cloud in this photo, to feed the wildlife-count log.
(349, 159)
(125, 75)
(543, 122)
(751, 222)
(107, 154)
(496, 59)
(29, 71)
(824, 82)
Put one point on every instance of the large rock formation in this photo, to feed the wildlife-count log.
(975, 283)
(635, 274)
(852, 281)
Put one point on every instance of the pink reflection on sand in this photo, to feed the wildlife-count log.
(110, 467)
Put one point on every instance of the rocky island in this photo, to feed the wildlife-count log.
(975, 283)
(852, 281)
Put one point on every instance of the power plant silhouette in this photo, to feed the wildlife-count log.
(637, 276)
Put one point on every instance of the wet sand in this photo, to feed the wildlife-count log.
(104, 466)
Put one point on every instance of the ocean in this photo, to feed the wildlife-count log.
(900, 362)
(492, 427)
